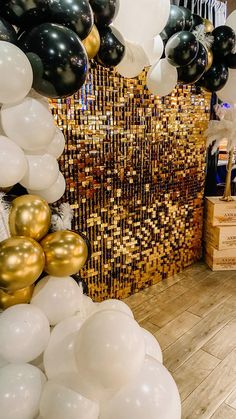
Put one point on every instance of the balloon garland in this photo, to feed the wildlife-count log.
(95, 361)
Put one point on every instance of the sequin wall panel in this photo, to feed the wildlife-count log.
(134, 165)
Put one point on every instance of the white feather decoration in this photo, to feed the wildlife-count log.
(224, 129)
(201, 35)
(63, 219)
(4, 215)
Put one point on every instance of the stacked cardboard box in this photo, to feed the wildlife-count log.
(220, 234)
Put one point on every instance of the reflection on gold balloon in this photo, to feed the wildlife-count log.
(92, 43)
(21, 263)
(210, 59)
(66, 253)
(209, 27)
(30, 216)
(22, 296)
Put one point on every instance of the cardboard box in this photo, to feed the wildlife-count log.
(220, 260)
(220, 237)
(220, 213)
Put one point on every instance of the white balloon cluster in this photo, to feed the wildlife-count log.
(30, 142)
(144, 45)
(96, 362)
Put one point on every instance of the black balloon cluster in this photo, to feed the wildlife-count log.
(201, 53)
(55, 34)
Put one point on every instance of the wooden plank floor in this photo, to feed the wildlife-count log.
(193, 316)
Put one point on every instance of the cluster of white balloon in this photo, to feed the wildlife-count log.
(98, 361)
(144, 45)
(30, 142)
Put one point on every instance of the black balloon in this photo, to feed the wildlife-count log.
(112, 47)
(216, 78)
(224, 40)
(182, 49)
(7, 32)
(104, 11)
(188, 17)
(230, 60)
(193, 72)
(176, 22)
(58, 59)
(23, 13)
(74, 14)
(196, 21)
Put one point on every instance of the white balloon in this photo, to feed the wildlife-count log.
(42, 172)
(110, 349)
(1, 129)
(57, 298)
(24, 331)
(58, 402)
(59, 356)
(153, 348)
(152, 394)
(65, 328)
(54, 192)
(35, 95)
(75, 382)
(55, 147)
(133, 62)
(141, 20)
(89, 307)
(20, 391)
(13, 164)
(231, 20)
(16, 75)
(29, 124)
(154, 50)
(3, 362)
(162, 78)
(115, 305)
(228, 93)
(86, 307)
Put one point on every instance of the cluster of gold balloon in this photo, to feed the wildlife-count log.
(30, 250)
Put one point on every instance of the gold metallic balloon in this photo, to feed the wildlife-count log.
(66, 253)
(30, 216)
(210, 59)
(92, 43)
(22, 296)
(209, 27)
(21, 263)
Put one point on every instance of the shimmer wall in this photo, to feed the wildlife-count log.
(135, 169)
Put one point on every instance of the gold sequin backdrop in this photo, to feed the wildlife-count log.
(135, 169)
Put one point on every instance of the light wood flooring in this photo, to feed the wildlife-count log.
(193, 316)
